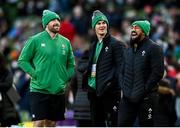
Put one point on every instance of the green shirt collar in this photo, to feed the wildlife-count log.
(48, 35)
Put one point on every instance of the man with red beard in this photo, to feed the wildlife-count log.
(143, 68)
(102, 83)
(48, 58)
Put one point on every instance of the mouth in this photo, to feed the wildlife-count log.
(134, 34)
(101, 29)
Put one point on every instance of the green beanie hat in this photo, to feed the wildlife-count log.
(97, 16)
(48, 16)
(144, 25)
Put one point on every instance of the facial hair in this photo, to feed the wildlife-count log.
(53, 30)
(136, 40)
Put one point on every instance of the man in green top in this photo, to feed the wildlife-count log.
(102, 84)
(48, 58)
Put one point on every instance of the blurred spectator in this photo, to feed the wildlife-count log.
(79, 20)
(3, 23)
(9, 115)
(67, 29)
(166, 116)
(177, 50)
(178, 99)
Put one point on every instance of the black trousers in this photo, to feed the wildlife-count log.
(104, 110)
(145, 110)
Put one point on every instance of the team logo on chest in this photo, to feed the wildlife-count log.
(63, 49)
(43, 45)
(63, 46)
(106, 48)
(143, 53)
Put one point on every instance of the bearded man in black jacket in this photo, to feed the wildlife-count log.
(101, 81)
(143, 68)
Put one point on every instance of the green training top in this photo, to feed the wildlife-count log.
(49, 62)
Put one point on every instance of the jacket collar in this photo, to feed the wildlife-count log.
(105, 39)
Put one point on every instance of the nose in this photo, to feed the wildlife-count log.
(102, 25)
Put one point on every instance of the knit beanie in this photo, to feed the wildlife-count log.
(48, 16)
(97, 16)
(144, 25)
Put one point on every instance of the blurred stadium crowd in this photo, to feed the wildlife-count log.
(20, 19)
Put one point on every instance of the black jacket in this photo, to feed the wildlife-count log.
(9, 115)
(6, 79)
(142, 69)
(108, 62)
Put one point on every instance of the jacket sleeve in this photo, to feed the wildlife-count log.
(70, 63)
(26, 56)
(118, 51)
(6, 83)
(87, 71)
(156, 66)
(120, 72)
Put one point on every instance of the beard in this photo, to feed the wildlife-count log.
(55, 28)
(135, 40)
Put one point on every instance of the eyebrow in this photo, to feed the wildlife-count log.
(135, 26)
